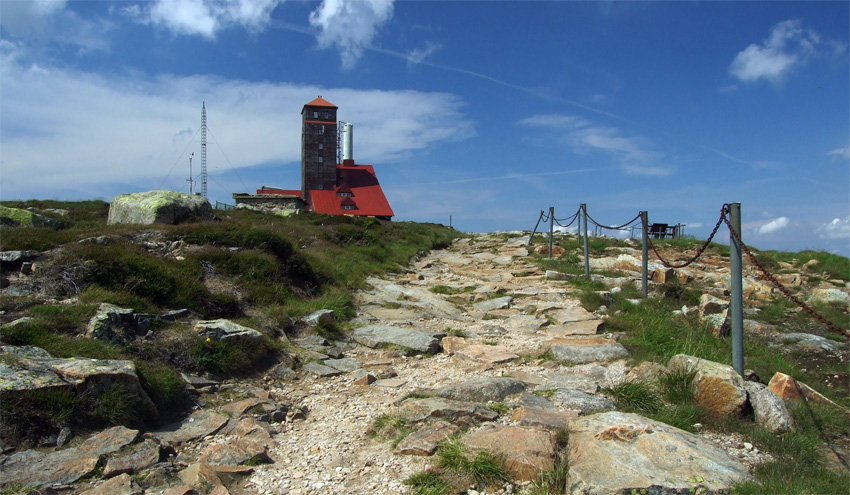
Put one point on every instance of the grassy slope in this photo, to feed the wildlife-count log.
(271, 268)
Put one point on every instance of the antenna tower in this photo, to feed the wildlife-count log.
(204, 149)
(339, 141)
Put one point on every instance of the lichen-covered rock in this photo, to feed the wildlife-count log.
(719, 388)
(616, 452)
(149, 207)
(24, 218)
(32, 368)
(226, 331)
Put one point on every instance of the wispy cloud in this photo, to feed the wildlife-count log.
(350, 25)
(774, 225)
(838, 228)
(634, 154)
(789, 46)
(841, 152)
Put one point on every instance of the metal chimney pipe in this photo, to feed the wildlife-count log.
(347, 141)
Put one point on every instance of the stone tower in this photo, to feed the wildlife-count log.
(318, 146)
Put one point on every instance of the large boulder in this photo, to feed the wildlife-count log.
(32, 368)
(17, 217)
(157, 207)
(617, 452)
(34, 468)
(718, 387)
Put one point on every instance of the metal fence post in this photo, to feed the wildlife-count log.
(736, 306)
(586, 251)
(644, 220)
(551, 228)
(535, 227)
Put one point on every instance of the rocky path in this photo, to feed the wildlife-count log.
(474, 340)
(330, 452)
(494, 313)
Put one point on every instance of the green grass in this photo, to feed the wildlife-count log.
(457, 469)
(832, 265)
(633, 396)
(451, 291)
(390, 427)
(556, 481)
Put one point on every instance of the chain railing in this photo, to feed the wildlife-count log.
(618, 227)
(776, 283)
(724, 211)
(701, 248)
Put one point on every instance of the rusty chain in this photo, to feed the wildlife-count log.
(572, 219)
(699, 251)
(618, 227)
(784, 290)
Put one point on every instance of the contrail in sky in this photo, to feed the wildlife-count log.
(419, 60)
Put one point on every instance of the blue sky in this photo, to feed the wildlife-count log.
(482, 112)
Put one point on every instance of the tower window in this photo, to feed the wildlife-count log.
(321, 159)
(321, 146)
(321, 130)
(315, 115)
(326, 115)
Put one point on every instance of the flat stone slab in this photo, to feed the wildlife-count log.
(198, 425)
(226, 330)
(378, 335)
(491, 304)
(424, 442)
(525, 323)
(321, 370)
(616, 452)
(486, 354)
(571, 314)
(460, 412)
(583, 350)
(33, 468)
(526, 451)
(543, 417)
(572, 381)
(584, 327)
(346, 365)
(582, 402)
(390, 383)
(489, 388)
(134, 460)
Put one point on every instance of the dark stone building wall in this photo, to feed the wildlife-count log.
(318, 148)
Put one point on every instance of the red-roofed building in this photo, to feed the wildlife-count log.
(326, 186)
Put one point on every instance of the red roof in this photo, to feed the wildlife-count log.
(366, 194)
(319, 102)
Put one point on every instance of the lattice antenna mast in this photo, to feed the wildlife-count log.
(339, 141)
(204, 149)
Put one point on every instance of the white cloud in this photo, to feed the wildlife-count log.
(417, 56)
(206, 17)
(774, 225)
(841, 152)
(634, 154)
(133, 131)
(43, 22)
(838, 228)
(350, 25)
(788, 47)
